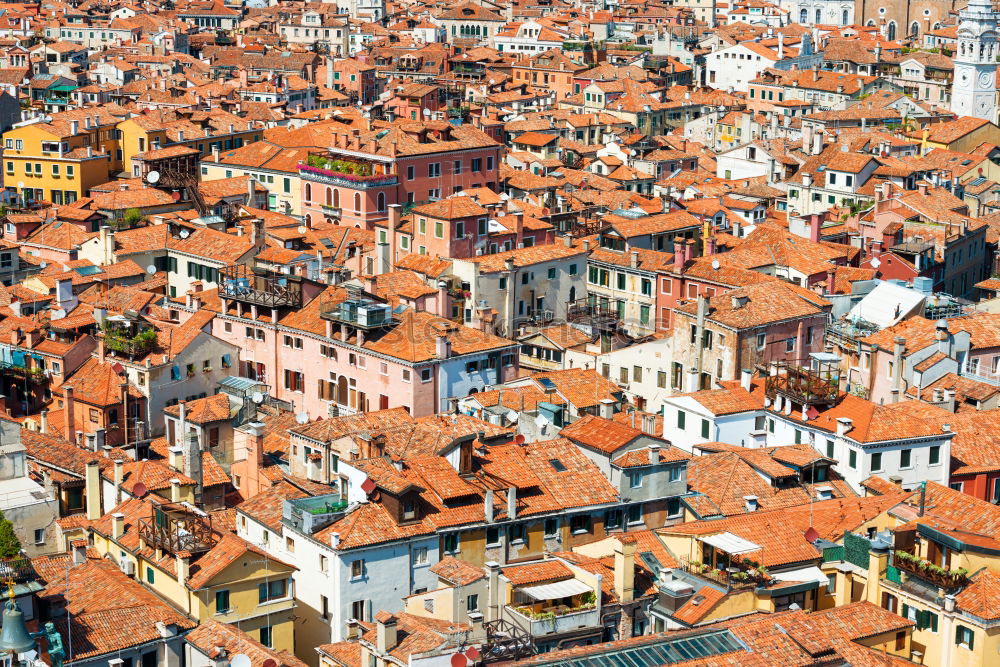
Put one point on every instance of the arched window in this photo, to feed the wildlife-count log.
(572, 294)
(380, 201)
(890, 31)
(336, 197)
(309, 220)
(819, 16)
(870, 22)
(845, 17)
(804, 15)
(357, 202)
(329, 196)
(914, 29)
(309, 192)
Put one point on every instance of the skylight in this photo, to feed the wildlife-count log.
(557, 465)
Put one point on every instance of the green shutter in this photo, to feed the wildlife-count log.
(972, 639)
(905, 611)
(933, 621)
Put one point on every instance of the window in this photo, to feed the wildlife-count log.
(935, 455)
(323, 563)
(438, 229)
(580, 524)
(516, 533)
(410, 173)
(661, 379)
(552, 527)
(272, 590)
(358, 610)
(477, 164)
(964, 637)
(634, 479)
(357, 568)
(673, 507)
(290, 543)
(905, 458)
(420, 556)
(675, 473)
(613, 520)
(472, 603)
(493, 536)
(434, 169)
(831, 584)
(40, 534)
(450, 543)
(633, 514)
(266, 636)
(681, 418)
(222, 601)
(704, 428)
(877, 462)
(760, 341)
(852, 459)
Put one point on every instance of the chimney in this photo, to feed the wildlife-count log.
(443, 346)
(334, 540)
(175, 490)
(44, 424)
(119, 475)
(386, 636)
(183, 569)
(488, 506)
(606, 410)
(117, 525)
(831, 281)
(624, 568)
(634, 259)
(815, 225)
(192, 464)
(844, 425)
(175, 458)
(79, 552)
(74, 127)
(92, 490)
(512, 503)
(654, 453)
(395, 212)
(353, 630)
(709, 246)
(70, 411)
(746, 377)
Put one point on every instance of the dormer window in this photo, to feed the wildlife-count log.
(465, 458)
(409, 510)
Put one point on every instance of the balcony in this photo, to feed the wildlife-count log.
(259, 286)
(17, 571)
(597, 315)
(23, 373)
(352, 174)
(558, 619)
(913, 565)
(129, 336)
(977, 370)
(816, 383)
(175, 528)
(731, 578)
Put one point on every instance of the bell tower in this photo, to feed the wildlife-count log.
(974, 83)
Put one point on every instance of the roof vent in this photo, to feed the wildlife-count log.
(751, 503)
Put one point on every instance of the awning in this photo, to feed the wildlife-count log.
(731, 544)
(811, 573)
(559, 589)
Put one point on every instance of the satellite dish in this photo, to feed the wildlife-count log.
(151, 269)
(270, 663)
(427, 112)
(153, 177)
(184, 234)
(139, 490)
(58, 314)
(240, 660)
(715, 264)
(257, 397)
(459, 660)
(301, 418)
(519, 440)
(42, 264)
(500, 214)
(302, 229)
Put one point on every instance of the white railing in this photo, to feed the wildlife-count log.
(981, 371)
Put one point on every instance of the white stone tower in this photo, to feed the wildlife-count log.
(974, 84)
